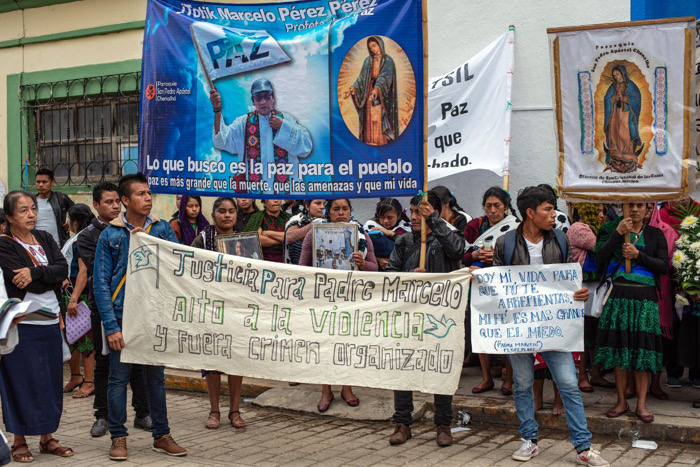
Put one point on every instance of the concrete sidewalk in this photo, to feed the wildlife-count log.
(675, 419)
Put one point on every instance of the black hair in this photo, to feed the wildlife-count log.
(502, 195)
(44, 171)
(433, 200)
(219, 201)
(533, 196)
(126, 181)
(100, 188)
(10, 204)
(329, 204)
(390, 204)
(446, 197)
(552, 190)
(82, 214)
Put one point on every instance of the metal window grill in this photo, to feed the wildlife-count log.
(85, 130)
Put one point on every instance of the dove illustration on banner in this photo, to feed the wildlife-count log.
(440, 328)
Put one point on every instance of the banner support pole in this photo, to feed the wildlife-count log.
(201, 60)
(423, 226)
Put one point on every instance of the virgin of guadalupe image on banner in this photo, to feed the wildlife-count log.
(376, 90)
(623, 105)
(623, 95)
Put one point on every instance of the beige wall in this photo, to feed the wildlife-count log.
(110, 48)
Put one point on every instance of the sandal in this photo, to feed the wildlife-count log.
(22, 457)
(80, 394)
(58, 450)
(237, 421)
(212, 422)
(71, 387)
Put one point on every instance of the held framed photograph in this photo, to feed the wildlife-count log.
(246, 245)
(333, 246)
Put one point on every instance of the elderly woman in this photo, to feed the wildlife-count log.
(340, 210)
(31, 377)
(497, 206)
(629, 330)
(224, 217)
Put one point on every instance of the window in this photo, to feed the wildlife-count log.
(84, 130)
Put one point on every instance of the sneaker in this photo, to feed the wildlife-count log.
(118, 450)
(167, 444)
(591, 458)
(695, 382)
(444, 436)
(145, 423)
(672, 382)
(527, 451)
(401, 434)
(99, 428)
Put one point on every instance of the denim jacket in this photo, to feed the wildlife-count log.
(111, 261)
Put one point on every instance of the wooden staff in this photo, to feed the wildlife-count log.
(625, 215)
(423, 226)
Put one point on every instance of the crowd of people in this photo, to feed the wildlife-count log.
(627, 344)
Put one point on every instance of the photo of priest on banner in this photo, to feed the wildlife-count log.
(264, 136)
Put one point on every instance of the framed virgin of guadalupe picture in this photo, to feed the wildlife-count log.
(246, 245)
(333, 246)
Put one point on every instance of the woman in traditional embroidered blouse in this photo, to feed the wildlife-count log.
(629, 330)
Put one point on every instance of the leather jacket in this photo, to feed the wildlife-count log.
(444, 248)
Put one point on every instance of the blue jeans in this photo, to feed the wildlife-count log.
(563, 370)
(119, 377)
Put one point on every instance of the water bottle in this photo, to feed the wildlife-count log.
(629, 434)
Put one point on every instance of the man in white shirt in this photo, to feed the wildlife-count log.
(264, 136)
(536, 242)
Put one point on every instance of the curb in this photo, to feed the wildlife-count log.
(191, 384)
(663, 429)
(485, 410)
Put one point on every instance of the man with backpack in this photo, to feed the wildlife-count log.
(536, 242)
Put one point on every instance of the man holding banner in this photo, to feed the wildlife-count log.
(536, 242)
(111, 259)
(268, 142)
(444, 250)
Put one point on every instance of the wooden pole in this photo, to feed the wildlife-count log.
(426, 77)
(625, 215)
(506, 182)
(201, 60)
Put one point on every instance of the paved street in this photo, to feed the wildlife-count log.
(283, 438)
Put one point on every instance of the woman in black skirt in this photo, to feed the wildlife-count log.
(629, 330)
(31, 377)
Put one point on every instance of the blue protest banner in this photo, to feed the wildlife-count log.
(319, 98)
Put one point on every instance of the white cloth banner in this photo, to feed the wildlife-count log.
(526, 309)
(229, 51)
(469, 113)
(623, 110)
(196, 309)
